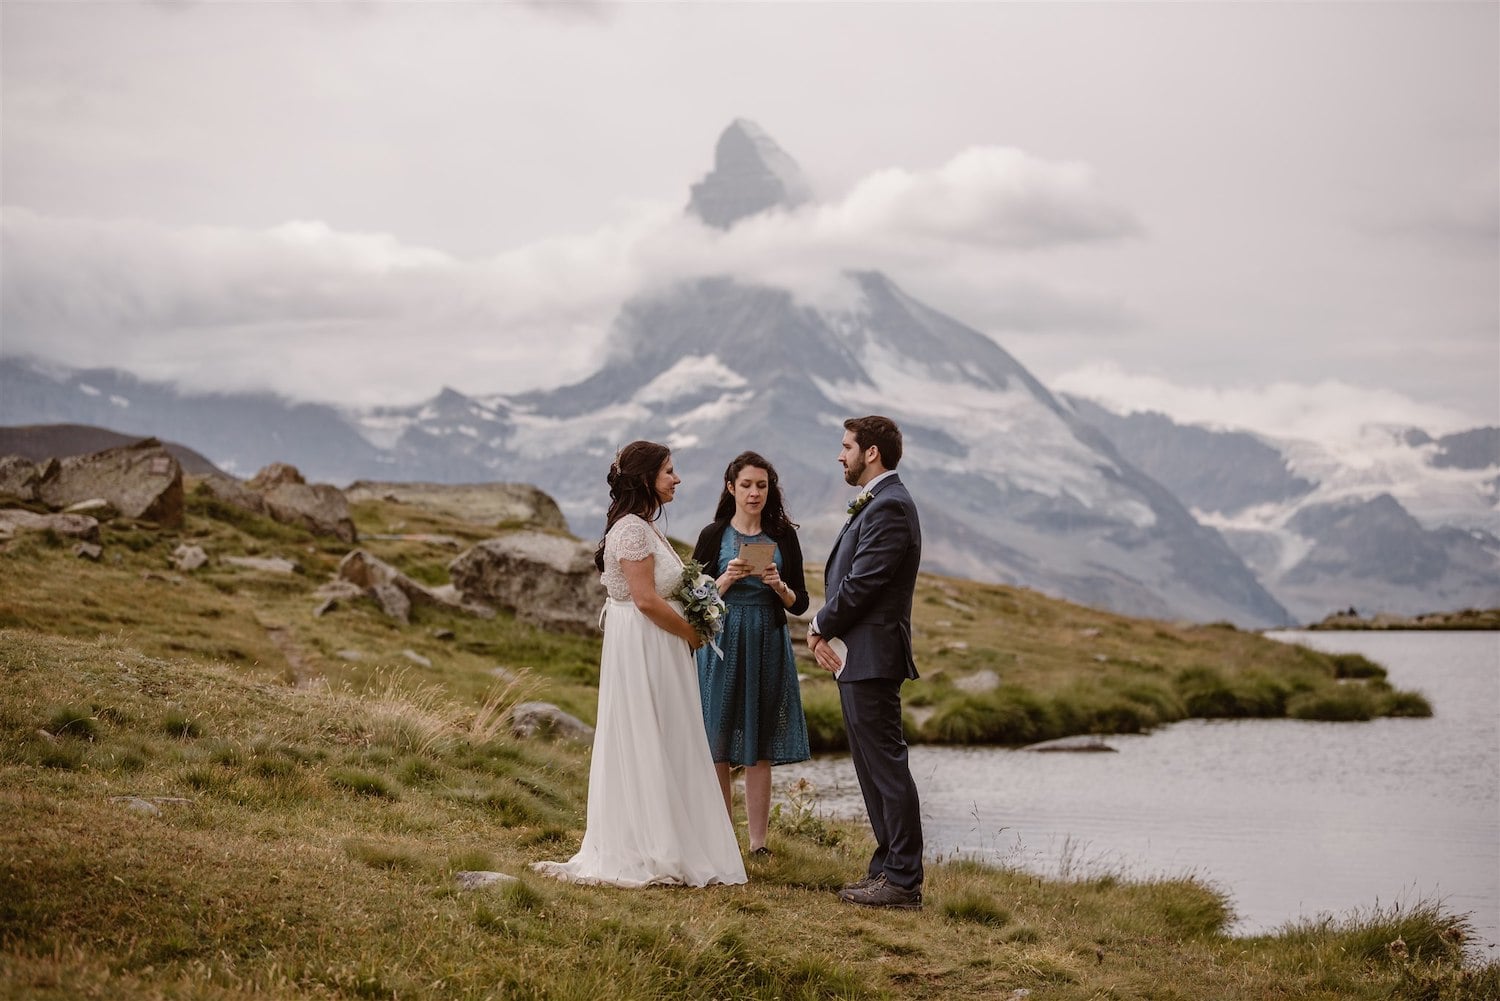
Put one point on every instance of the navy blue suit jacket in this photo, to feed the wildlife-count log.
(868, 585)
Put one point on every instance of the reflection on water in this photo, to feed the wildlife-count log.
(1291, 819)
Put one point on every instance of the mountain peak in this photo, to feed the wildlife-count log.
(751, 174)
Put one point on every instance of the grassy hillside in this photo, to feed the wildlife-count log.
(210, 792)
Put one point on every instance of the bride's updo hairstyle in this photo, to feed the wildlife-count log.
(632, 486)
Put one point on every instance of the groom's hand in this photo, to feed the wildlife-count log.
(823, 653)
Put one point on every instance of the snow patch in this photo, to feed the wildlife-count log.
(692, 374)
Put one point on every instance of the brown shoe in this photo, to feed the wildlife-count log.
(860, 884)
(882, 894)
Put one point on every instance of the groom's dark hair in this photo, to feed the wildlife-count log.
(881, 432)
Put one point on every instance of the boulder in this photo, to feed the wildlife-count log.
(391, 589)
(528, 719)
(489, 504)
(14, 521)
(142, 480)
(231, 491)
(319, 507)
(19, 476)
(548, 580)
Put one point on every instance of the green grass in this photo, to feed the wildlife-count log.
(314, 807)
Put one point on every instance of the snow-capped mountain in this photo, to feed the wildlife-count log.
(1397, 521)
(1014, 487)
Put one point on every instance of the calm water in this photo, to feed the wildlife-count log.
(1291, 819)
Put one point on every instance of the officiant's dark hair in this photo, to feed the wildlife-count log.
(881, 432)
(773, 517)
(632, 486)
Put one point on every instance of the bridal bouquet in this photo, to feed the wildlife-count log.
(701, 603)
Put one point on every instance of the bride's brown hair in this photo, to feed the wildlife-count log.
(632, 486)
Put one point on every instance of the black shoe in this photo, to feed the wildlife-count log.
(882, 894)
(860, 884)
(762, 852)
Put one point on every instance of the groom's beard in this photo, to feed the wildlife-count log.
(854, 470)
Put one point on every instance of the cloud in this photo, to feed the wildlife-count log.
(361, 317)
(1330, 410)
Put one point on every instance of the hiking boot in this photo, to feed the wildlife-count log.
(881, 893)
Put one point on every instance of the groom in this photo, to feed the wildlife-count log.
(868, 584)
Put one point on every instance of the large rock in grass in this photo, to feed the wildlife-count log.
(19, 476)
(141, 480)
(14, 521)
(394, 591)
(547, 580)
(321, 508)
(492, 505)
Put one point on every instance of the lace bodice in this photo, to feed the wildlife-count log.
(632, 538)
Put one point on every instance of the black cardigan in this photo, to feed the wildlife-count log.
(707, 553)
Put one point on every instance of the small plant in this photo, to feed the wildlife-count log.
(363, 783)
(798, 815)
(73, 722)
(378, 856)
(976, 908)
(180, 725)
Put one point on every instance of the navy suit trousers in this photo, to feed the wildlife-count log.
(872, 723)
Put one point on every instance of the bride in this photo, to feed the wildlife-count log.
(655, 813)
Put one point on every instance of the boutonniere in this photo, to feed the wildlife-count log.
(858, 503)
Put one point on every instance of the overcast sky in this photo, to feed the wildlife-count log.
(1270, 215)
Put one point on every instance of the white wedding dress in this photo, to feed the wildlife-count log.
(655, 811)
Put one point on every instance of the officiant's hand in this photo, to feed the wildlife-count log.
(735, 571)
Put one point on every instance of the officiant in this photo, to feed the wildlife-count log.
(752, 702)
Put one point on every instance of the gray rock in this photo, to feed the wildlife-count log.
(319, 507)
(978, 682)
(88, 551)
(392, 601)
(142, 480)
(489, 504)
(547, 580)
(416, 658)
(232, 492)
(480, 878)
(187, 558)
(14, 521)
(328, 605)
(1084, 743)
(269, 564)
(94, 507)
(391, 589)
(528, 719)
(339, 590)
(137, 805)
(19, 476)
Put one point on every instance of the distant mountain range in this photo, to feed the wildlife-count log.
(1402, 523)
(1015, 484)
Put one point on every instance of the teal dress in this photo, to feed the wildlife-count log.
(752, 703)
